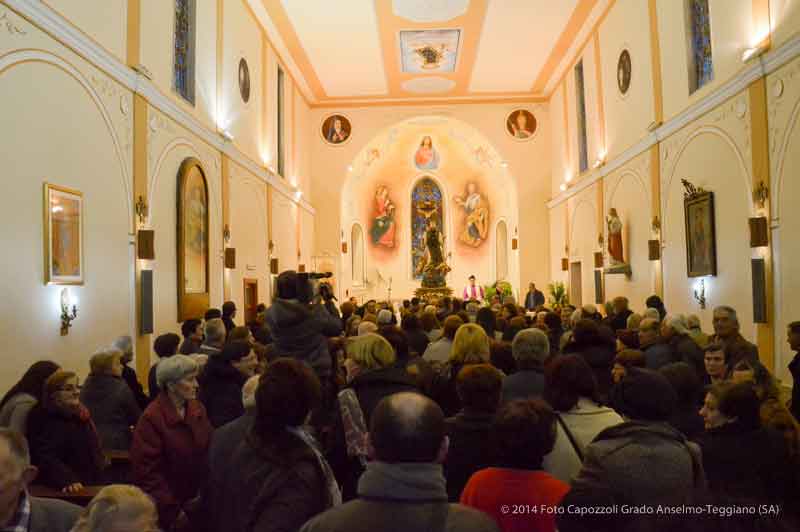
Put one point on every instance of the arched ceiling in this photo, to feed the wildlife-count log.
(399, 51)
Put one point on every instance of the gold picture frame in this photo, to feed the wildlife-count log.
(63, 235)
(193, 240)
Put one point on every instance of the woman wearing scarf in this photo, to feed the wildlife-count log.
(63, 439)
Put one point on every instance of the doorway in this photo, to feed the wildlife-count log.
(575, 274)
(250, 299)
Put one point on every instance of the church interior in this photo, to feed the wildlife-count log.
(162, 157)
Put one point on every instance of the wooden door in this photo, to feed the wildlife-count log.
(250, 299)
(575, 274)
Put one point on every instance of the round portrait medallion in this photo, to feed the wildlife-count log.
(521, 124)
(336, 129)
(244, 80)
(624, 72)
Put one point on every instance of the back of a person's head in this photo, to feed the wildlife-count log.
(470, 345)
(684, 381)
(410, 322)
(486, 319)
(644, 395)
(123, 343)
(384, 317)
(693, 321)
(515, 325)
(451, 325)
(586, 332)
(371, 351)
(212, 314)
(738, 401)
(479, 386)
(762, 378)
(651, 313)
(371, 318)
(633, 321)
(553, 321)
(189, 326)
(32, 381)
(397, 339)
(501, 357)
(568, 378)
(676, 322)
(102, 361)
(630, 358)
(347, 308)
(286, 393)
(228, 308)
(406, 427)
(530, 348)
(428, 321)
(215, 331)
(654, 302)
(286, 285)
(366, 327)
(238, 334)
(234, 351)
(523, 432)
(167, 344)
(649, 325)
(118, 507)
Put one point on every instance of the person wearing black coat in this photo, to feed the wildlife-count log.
(417, 339)
(741, 458)
(110, 401)
(267, 475)
(165, 346)
(688, 388)
(125, 344)
(63, 440)
(597, 346)
(222, 380)
(470, 450)
(619, 320)
(675, 331)
(794, 367)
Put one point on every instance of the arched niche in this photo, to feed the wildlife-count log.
(427, 204)
(193, 248)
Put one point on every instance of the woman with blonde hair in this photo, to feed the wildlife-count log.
(470, 346)
(118, 508)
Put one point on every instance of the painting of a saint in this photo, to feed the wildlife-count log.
(383, 223)
(426, 207)
(426, 157)
(476, 221)
(700, 238)
(195, 251)
(64, 235)
(336, 129)
(521, 124)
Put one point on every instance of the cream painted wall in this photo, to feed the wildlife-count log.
(284, 232)
(627, 116)
(528, 164)
(731, 34)
(712, 153)
(105, 22)
(168, 146)
(784, 19)
(242, 39)
(629, 191)
(559, 128)
(783, 93)
(157, 54)
(248, 223)
(304, 129)
(583, 233)
(558, 238)
(85, 145)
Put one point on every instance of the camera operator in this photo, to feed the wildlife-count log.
(300, 324)
(329, 300)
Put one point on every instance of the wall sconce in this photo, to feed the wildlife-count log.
(226, 135)
(600, 240)
(144, 71)
(753, 51)
(563, 187)
(761, 194)
(700, 293)
(67, 314)
(226, 233)
(141, 210)
(655, 124)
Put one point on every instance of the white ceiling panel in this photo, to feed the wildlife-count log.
(429, 10)
(341, 40)
(516, 40)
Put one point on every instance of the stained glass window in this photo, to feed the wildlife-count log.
(183, 75)
(701, 65)
(580, 107)
(426, 204)
(281, 120)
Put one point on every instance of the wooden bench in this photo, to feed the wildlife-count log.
(80, 498)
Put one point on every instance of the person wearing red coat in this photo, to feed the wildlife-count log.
(171, 440)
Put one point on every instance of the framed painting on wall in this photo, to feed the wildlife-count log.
(63, 235)
(193, 248)
(701, 247)
(336, 129)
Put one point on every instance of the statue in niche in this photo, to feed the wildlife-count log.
(476, 224)
(614, 238)
(434, 268)
(426, 158)
(426, 205)
(383, 224)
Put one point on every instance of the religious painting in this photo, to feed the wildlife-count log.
(428, 51)
(426, 157)
(521, 124)
(624, 72)
(427, 208)
(701, 248)
(383, 229)
(476, 216)
(63, 235)
(336, 129)
(244, 80)
(193, 247)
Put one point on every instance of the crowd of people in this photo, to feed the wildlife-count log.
(436, 415)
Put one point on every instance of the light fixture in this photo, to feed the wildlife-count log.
(350, 168)
(141, 209)
(568, 176)
(144, 71)
(598, 163)
(563, 187)
(700, 293)
(226, 233)
(298, 194)
(655, 124)
(67, 314)
(753, 51)
(504, 164)
(227, 135)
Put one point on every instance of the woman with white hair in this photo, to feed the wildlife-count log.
(530, 348)
(120, 508)
(125, 345)
(675, 331)
(170, 443)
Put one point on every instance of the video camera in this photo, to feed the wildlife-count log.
(309, 286)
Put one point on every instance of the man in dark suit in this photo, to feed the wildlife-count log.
(534, 299)
(18, 510)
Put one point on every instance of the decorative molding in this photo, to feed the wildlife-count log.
(764, 65)
(46, 19)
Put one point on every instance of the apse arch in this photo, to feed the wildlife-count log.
(466, 155)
